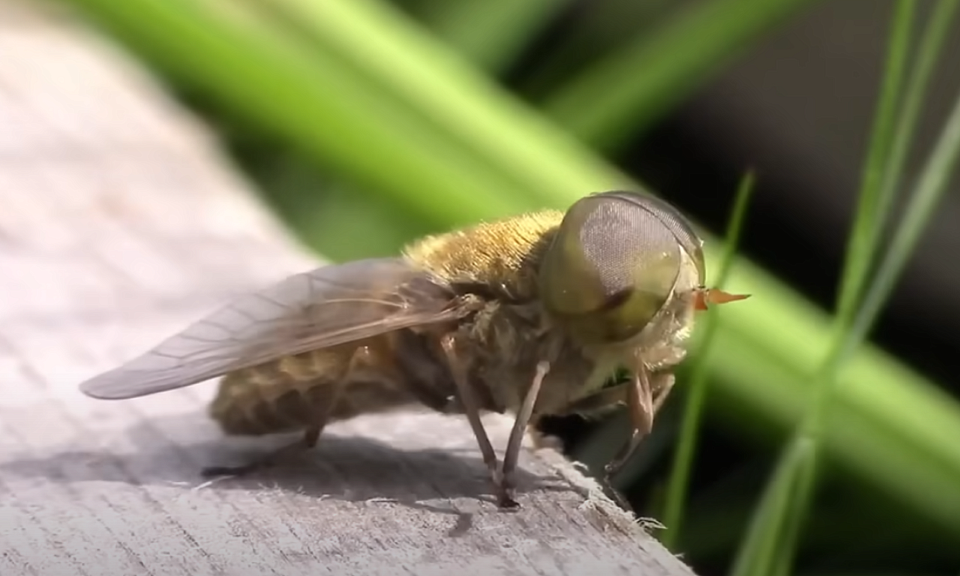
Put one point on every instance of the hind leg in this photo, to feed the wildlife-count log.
(318, 403)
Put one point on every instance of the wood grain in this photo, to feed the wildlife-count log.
(119, 223)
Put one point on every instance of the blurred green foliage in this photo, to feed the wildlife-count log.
(867, 280)
(684, 454)
(367, 123)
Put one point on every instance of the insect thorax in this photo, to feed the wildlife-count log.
(497, 259)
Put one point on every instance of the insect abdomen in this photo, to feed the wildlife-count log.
(294, 392)
(277, 396)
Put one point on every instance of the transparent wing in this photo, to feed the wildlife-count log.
(325, 307)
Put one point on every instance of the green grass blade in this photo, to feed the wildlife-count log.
(693, 409)
(450, 97)
(867, 225)
(932, 185)
(773, 525)
(466, 26)
(927, 55)
(635, 85)
(891, 138)
(470, 27)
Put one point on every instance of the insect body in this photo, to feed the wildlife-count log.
(529, 315)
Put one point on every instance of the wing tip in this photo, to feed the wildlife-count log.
(102, 389)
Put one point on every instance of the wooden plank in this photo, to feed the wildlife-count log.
(119, 223)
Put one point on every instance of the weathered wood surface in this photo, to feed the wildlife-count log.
(119, 223)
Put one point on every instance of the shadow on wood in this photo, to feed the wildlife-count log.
(349, 468)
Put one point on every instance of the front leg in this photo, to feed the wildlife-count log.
(645, 396)
(512, 456)
(618, 395)
(613, 397)
(471, 408)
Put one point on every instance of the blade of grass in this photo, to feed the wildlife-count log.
(684, 454)
(759, 554)
(867, 226)
(852, 324)
(897, 425)
(877, 193)
(771, 528)
(769, 546)
(466, 26)
(776, 523)
(928, 54)
(448, 95)
(596, 31)
(470, 27)
(718, 515)
(897, 438)
(856, 311)
(632, 87)
(930, 189)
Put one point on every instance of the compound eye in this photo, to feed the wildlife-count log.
(615, 261)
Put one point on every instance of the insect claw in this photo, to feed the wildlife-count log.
(505, 498)
(503, 487)
(608, 488)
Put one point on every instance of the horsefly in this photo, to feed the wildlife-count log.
(530, 315)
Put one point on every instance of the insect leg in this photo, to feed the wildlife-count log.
(661, 384)
(610, 398)
(664, 384)
(641, 410)
(512, 454)
(322, 399)
(470, 406)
